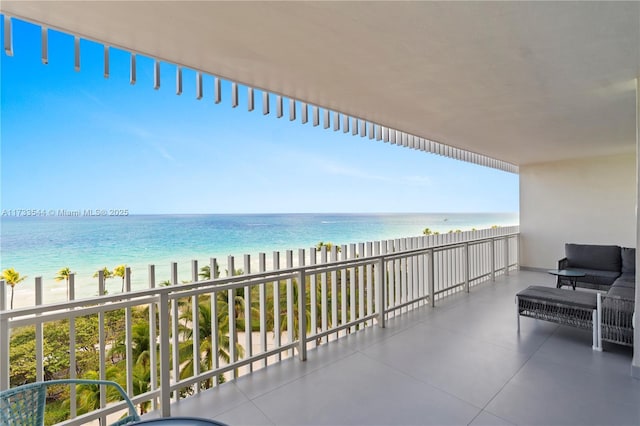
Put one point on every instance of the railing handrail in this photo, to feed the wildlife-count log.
(138, 297)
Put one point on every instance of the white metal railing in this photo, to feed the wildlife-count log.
(202, 332)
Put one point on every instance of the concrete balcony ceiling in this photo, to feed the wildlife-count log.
(522, 82)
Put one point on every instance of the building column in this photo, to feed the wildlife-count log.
(635, 364)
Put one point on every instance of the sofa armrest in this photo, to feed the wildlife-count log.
(563, 263)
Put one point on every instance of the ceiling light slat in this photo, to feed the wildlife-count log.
(156, 74)
(106, 61)
(292, 109)
(217, 90)
(8, 41)
(234, 94)
(265, 103)
(179, 80)
(250, 99)
(76, 55)
(132, 69)
(198, 85)
(45, 45)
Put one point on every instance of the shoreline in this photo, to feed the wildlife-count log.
(185, 240)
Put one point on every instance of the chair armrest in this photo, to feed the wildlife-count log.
(563, 263)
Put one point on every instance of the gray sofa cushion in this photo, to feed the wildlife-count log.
(619, 292)
(627, 279)
(606, 258)
(580, 299)
(628, 256)
(594, 276)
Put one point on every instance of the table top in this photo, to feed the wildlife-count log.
(180, 421)
(566, 273)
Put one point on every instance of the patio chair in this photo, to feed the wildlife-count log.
(24, 405)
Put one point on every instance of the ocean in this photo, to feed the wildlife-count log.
(41, 246)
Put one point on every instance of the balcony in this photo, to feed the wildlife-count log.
(461, 362)
(423, 331)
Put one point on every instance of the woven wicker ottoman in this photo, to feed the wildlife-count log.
(568, 307)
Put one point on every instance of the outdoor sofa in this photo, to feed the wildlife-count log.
(608, 313)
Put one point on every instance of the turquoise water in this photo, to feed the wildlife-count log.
(41, 246)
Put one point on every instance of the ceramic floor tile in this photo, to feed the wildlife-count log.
(358, 391)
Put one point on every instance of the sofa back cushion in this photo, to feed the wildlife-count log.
(606, 258)
(628, 259)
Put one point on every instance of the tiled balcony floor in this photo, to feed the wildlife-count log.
(461, 363)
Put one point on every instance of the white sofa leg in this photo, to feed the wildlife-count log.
(597, 325)
(518, 312)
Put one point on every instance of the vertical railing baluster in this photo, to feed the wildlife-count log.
(334, 290)
(352, 287)
(302, 308)
(397, 281)
(391, 298)
(323, 292)
(215, 326)
(4, 338)
(153, 355)
(262, 267)
(422, 281)
(195, 325)
(231, 306)
(276, 304)
(71, 291)
(102, 345)
(411, 272)
(379, 286)
(343, 288)
(369, 282)
(290, 309)
(383, 251)
(165, 357)
(248, 351)
(361, 279)
(431, 277)
(128, 334)
(313, 289)
(506, 255)
(415, 273)
(466, 267)
(39, 335)
(402, 266)
(175, 330)
(492, 259)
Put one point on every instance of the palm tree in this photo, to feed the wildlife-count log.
(120, 271)
(63, 274)
(12, 277)
(328, 245)
(427, 231)
(205, 272)
(206, 346)
(89, 394)
(107, 274)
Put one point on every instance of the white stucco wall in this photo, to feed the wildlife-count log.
(589, 201)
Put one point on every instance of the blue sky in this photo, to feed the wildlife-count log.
(75, 140)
